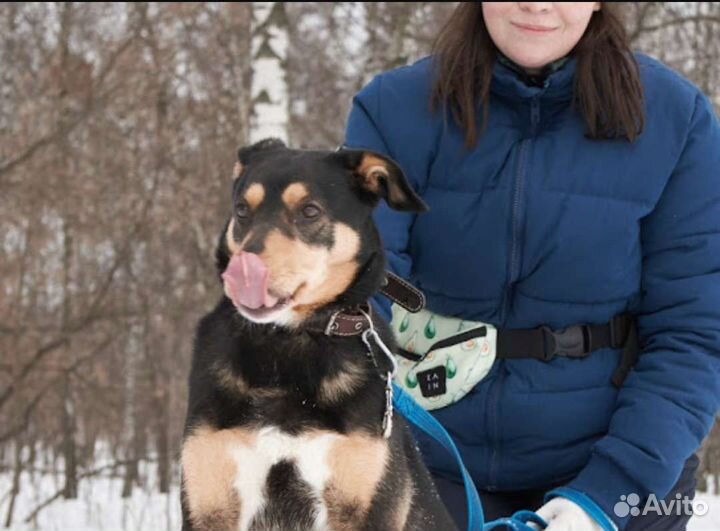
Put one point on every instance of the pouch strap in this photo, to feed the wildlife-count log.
(577, 341)
(444, 343)
(544, 343)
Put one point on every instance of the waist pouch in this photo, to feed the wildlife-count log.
(440, 359)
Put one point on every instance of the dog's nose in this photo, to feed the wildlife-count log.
(255, 245)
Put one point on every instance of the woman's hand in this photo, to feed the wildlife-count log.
(562, 514)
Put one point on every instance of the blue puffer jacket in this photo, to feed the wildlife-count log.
(539, 225)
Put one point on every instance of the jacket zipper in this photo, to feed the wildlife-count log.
(517, 212)
(535, 114)
(493, 403)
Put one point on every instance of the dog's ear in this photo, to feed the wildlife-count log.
(245, 154)
(383, 178)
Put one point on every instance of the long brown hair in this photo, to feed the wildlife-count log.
(608, 90)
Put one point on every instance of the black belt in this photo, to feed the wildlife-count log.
(574, 342)
(545, 344)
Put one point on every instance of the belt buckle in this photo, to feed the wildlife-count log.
(568, 342)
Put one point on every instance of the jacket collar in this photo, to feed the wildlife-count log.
(555, 81)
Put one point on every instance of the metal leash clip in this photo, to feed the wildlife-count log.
(388, 414)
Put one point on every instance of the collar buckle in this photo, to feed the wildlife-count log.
(347, 324)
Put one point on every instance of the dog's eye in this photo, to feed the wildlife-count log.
(311, 211)
(242, 210)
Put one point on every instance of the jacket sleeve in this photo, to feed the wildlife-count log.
(669, 402)
(365, 131)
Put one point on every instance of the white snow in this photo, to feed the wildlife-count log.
(711, 521)
(99, 507)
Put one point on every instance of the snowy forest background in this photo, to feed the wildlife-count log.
(119, 125)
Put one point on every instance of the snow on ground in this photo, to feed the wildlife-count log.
(99, 507)
(711, 521)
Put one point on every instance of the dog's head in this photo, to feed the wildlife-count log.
(301, 234)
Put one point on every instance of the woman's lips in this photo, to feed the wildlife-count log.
(532, 28)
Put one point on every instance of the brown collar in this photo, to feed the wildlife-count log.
(354, 321)
(347, 323)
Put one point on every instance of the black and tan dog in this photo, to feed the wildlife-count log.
(284, 430)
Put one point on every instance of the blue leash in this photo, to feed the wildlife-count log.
(423, 420)
(417, 416)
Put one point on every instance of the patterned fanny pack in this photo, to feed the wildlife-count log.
(441, 358)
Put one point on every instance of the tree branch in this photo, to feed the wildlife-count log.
(675, 22)
(60, 492)
(20, 427)
(66, 128)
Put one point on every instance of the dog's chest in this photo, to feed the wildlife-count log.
(306, 456)
(248, 479)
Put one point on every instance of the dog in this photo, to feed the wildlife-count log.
(288, 424)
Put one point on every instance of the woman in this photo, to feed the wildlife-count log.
(568, 182)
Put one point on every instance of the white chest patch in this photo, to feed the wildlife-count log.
(308, 451)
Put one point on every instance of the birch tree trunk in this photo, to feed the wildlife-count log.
(269, 89)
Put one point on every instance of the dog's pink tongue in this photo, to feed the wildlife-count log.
(246, 278)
